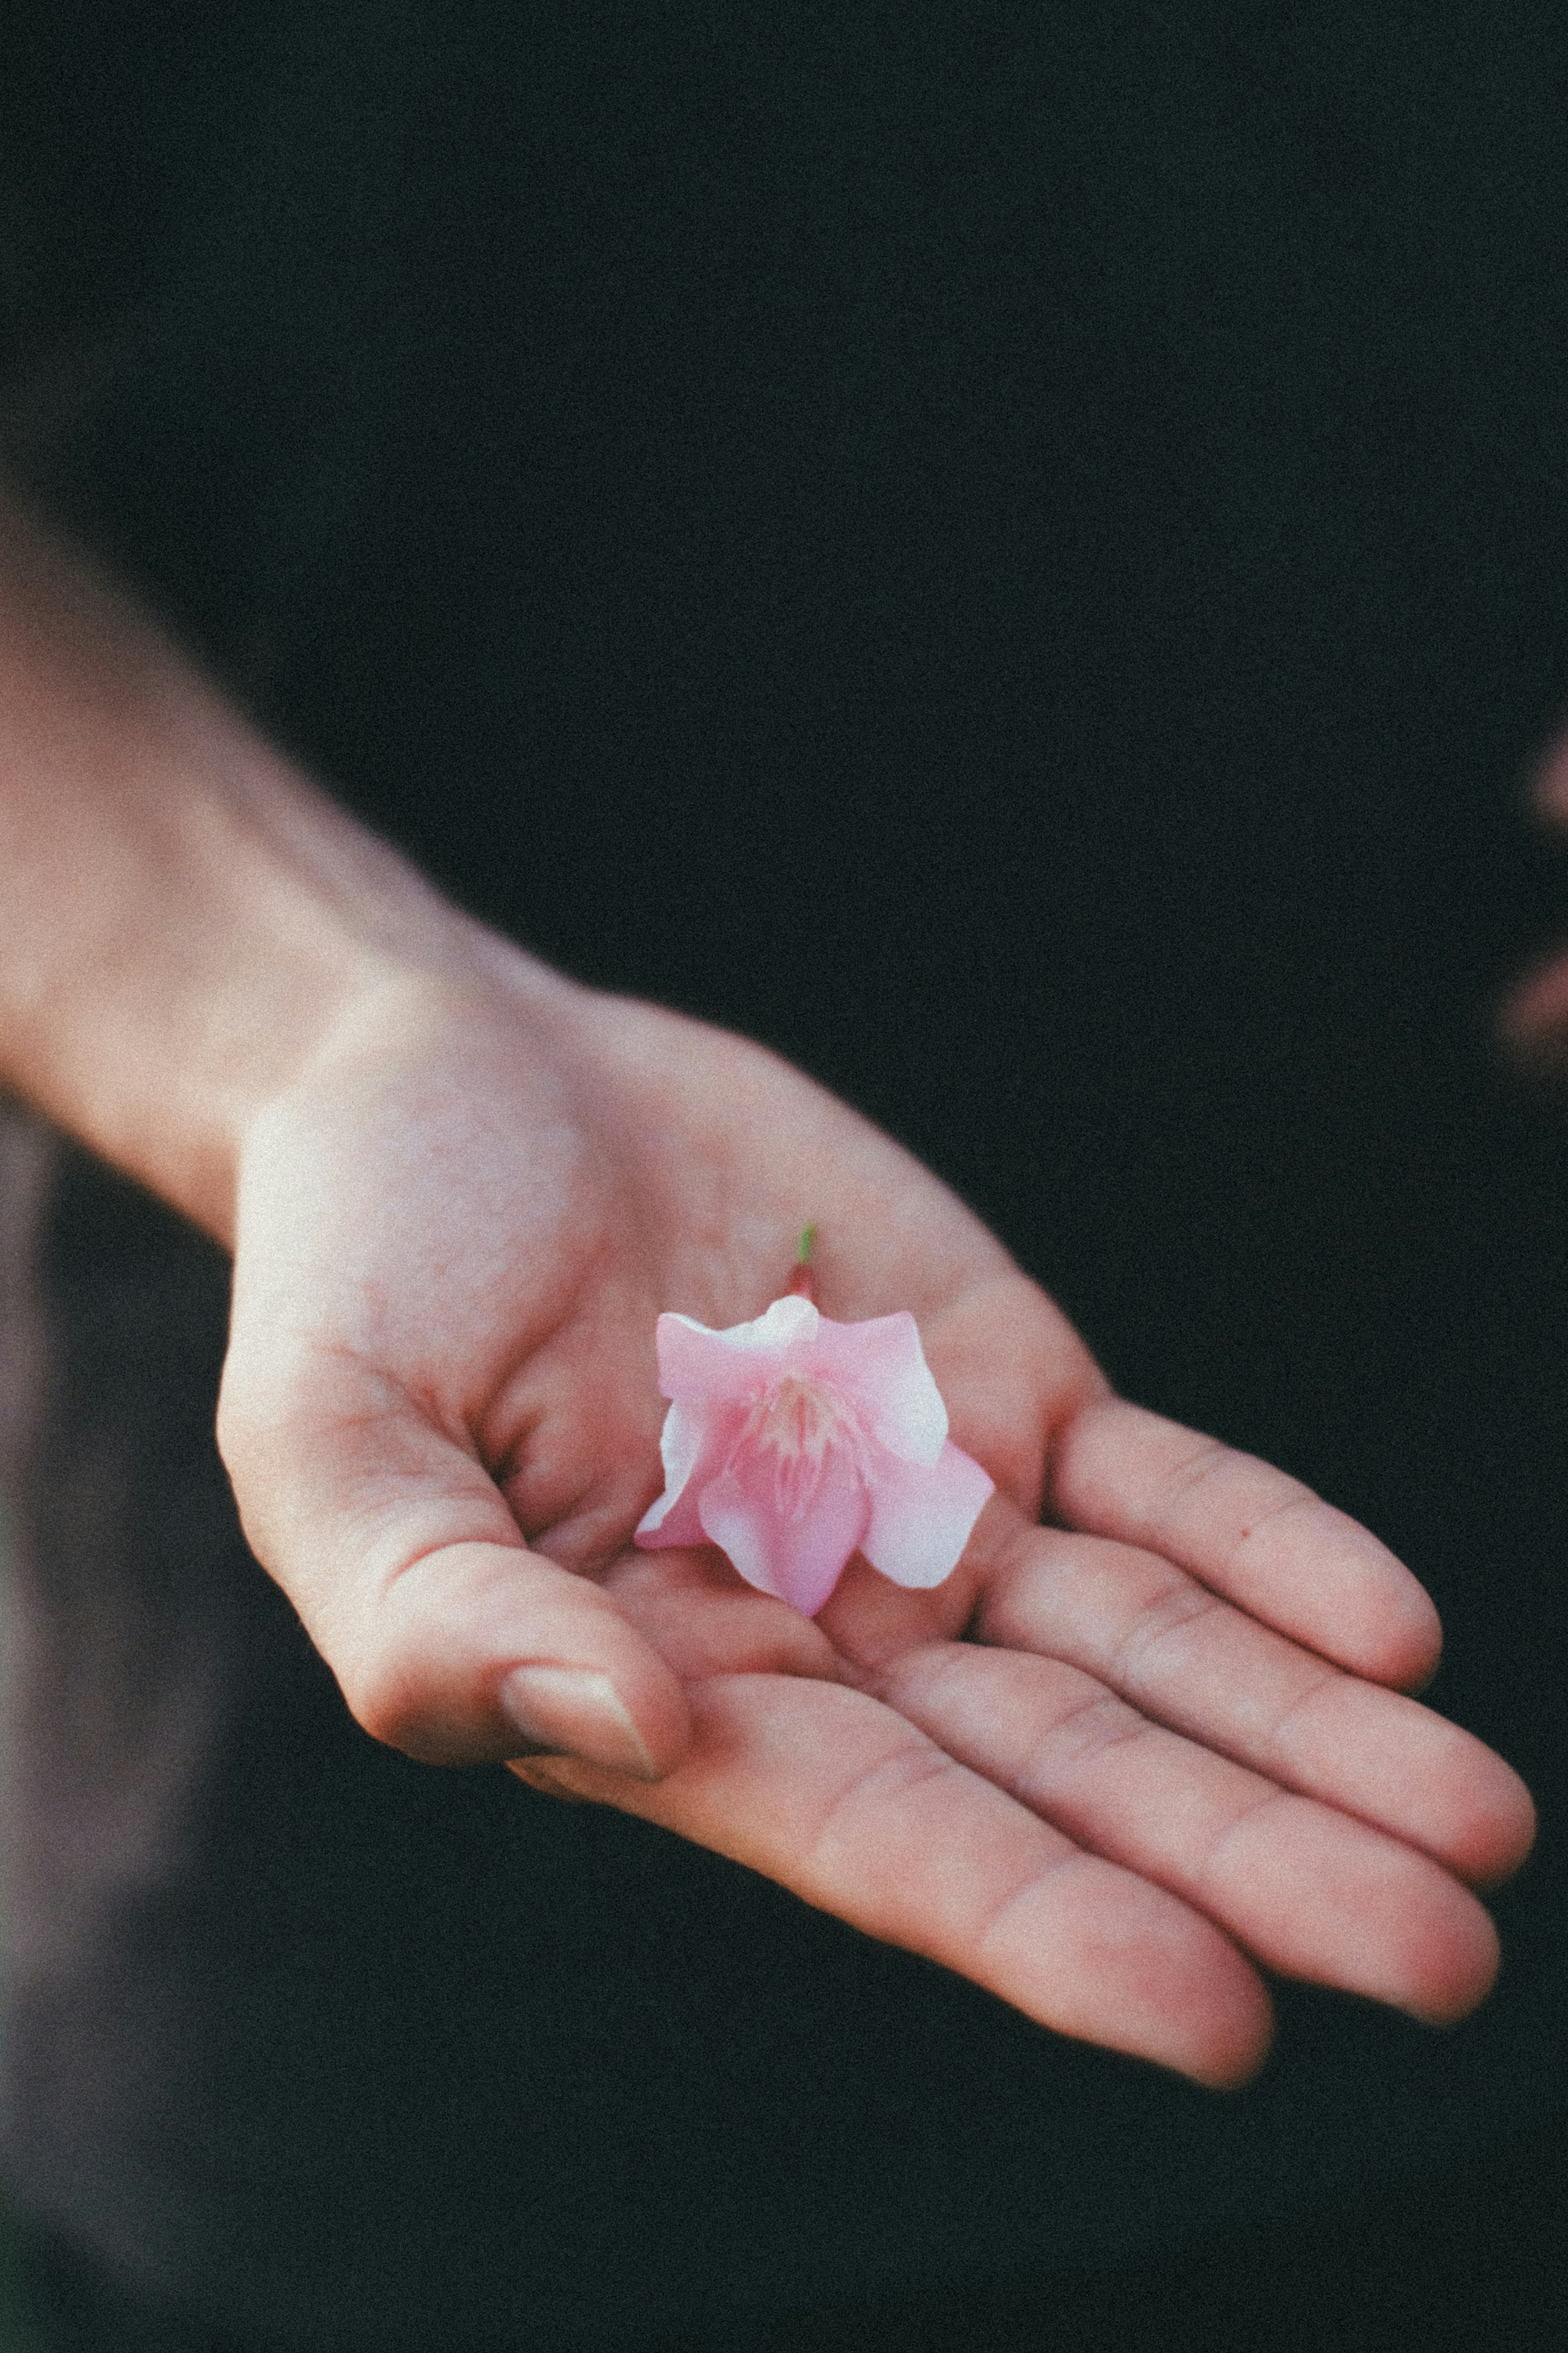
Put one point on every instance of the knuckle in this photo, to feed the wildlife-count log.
(392, 1699)
(1209, 1460)
(1096, 1722)
(1167, 1615)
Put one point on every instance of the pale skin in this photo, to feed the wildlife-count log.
(1117, 1766)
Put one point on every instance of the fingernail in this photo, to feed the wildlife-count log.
(540, 1774)
(576, 1711)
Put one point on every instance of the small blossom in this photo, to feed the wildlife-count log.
(793, 1441)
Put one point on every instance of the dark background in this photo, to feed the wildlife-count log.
(1018, 554)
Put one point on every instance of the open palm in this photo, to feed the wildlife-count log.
(1110, 1757)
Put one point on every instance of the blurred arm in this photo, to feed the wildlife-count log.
(184, 918)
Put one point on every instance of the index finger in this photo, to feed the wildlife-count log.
(1250, 1533)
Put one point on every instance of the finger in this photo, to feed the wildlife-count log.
(694, 1610)
(451, 1640)
(1549, 787)
(1533, 1017)
(1164, 1641)
(1305, 1889)
(850, 1807)
(1249, 1532)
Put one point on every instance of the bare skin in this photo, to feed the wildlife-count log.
(1113, 1767)
(1535, 1016)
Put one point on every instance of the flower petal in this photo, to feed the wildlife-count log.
(921, 1516)
(798, 1555)
(681, 1449)
(695, 1362)
(881, 1364)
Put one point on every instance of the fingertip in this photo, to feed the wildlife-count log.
(1239, 2057)
(1548, 792)
(1504, 1831)
(1435, 1785)
(1471, 1812)
(1458, 1968)
(1410, 1648)
(1227, 2047)
(1372, 1614)
(1137, 1969)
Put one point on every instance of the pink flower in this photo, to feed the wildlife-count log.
(793, 1441)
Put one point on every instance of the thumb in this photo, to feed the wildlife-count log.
(477, 1651)
(451, 1640)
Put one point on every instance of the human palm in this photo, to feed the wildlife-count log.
(1110, 1757)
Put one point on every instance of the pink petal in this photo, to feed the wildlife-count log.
(881, 1364)
(693, 1444)
(694, 1361)
(921, 1516)
(796, 1554)
(680, 1448)
(676, 1523)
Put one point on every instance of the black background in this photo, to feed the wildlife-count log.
(1018, 554)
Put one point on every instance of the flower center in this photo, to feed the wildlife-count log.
(798, 1423)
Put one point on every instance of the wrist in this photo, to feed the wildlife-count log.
(202, 947)
(186, 925)
(397, 980)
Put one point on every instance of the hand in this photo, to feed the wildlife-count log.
(1535, 1015)
(1110, 1759)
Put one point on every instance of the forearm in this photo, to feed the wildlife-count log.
(183, 919)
